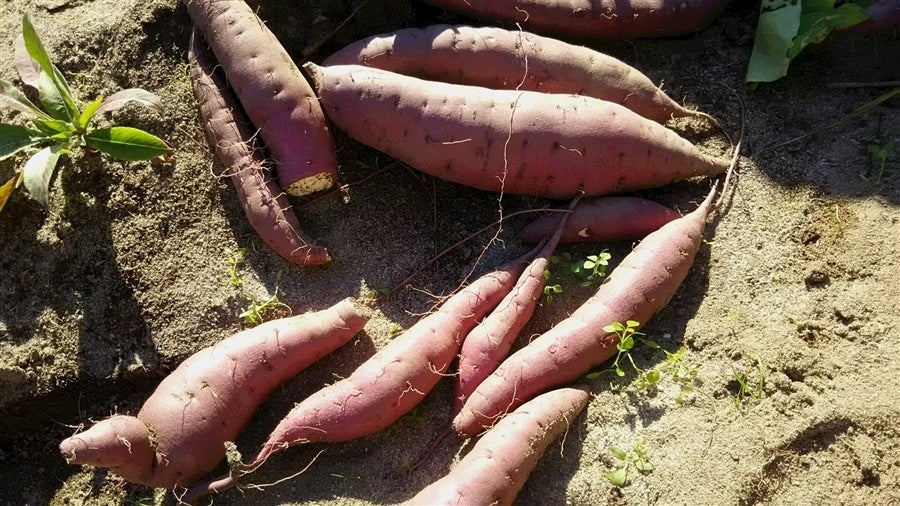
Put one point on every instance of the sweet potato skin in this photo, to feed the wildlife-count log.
(592, 19)
(638, 287)
(387, 385)
(603, 219)
(209, 398)
(496, 468)
(519, 142)
(273, 92)
(228, 130)
(497, 58)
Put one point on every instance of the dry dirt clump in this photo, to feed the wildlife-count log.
(795, 293)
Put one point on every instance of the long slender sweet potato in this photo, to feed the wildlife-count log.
(498, 465)
(596, 19)
(179, 433)
(272, 90)
(266, 206)
(603, 219)
(638, 287)
(489, 342)
(883, 15)
(386, 386)
(520, 142)
(507, 59)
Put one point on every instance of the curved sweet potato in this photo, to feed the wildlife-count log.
(179, 433)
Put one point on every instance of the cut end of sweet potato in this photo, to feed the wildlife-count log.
(308, 185)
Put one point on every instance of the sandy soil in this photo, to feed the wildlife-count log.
(127, 273)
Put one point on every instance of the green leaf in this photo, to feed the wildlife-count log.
(124, 97)
(53, 127)
(126, 143)
(617, 478)
(820, 18)
(7, 188)
(38, 53)
(88, 114)
(12, 98)
(652, 376)
(775, 33)
(38, 171)
(53, 102)
(619, 453)
(643, 466)
(14, 138)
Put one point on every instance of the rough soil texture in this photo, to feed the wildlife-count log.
(127, 273)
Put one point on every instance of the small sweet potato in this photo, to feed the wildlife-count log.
(603, 219)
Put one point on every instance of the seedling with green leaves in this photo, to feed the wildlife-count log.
(637, 459)
(627, 334)
(683, 374)
(551, 290)
(61, 125)
(879, 151)
(590, 270)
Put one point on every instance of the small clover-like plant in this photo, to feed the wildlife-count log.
(636, 459)
(595, 267)
(550, 291)
(60, 125)
(879, 151)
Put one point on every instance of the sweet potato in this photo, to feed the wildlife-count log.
(228, 131)
(603, 219)
(639, 286)
(520, 142)
(498, 465)
(490, 341)
(179, 433)
(883, 15)
(273, 92)
(507, 59)
(592, 19)
(388, 385)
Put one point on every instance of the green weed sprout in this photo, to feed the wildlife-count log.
(748, 388)
(259, 310)
(60, 125)
(637, 459)
(626, 333)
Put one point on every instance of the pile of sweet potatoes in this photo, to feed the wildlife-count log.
(500, 110)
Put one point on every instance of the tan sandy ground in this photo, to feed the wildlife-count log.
(127, 273)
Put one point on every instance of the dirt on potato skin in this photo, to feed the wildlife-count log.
(126, 274)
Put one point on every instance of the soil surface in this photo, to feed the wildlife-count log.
(795, 291)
